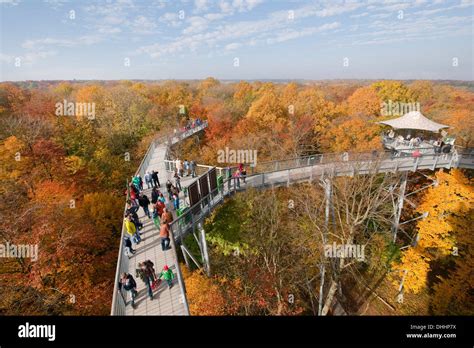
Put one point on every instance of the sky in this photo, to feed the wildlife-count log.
(236, 39)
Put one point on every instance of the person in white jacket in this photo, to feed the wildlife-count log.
(179, 167)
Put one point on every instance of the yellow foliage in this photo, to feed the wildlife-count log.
(364, 102)
(11, 158)
(203, 294)
(266, 110)
(417, 266)
(449, 206)
(453, 197)
(353, 135)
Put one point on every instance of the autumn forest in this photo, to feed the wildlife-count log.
(62, 182)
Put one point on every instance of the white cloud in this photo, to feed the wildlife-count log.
(42, 43)
(32, 57)
(109, 30)
(360, 15)
(245, 5)
(200, 5)
(10, 2)
(5, 58)
(197, 24)
(295, 34)
(170, 19)
(225, 6)
(227, 33)
(232, 46)
(143, 25)
(413, 28)
(56, 4)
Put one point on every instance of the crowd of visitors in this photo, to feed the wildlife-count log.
(161, 218)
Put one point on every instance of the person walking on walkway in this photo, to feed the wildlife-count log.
(127, 282)
(165, 236)
(154, 195)
(144, 203)
(161, 198)
(168, 275)
(148, 180)
(179, 167)
(132, 211)
(166, 217)
(128, 247)
(148, 275)
(192, 166)
(186, 167)
(160, 206)
(140, 182)
(176, 201)
(133, 193)
(243, 171)
(155, 178)
(156, 217)
(132, 229)
(169, 185)
(177, 181)
(136, 183)
(237, 178)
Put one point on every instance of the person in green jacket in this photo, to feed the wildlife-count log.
(167, 275)
(136, 182)
(156, 218)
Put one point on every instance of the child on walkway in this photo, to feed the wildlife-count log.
(168, 275)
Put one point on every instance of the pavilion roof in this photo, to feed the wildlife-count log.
(414, 120)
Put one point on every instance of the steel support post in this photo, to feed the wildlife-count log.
(399, 206)
(205, 254)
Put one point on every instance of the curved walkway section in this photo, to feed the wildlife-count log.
(311, 168)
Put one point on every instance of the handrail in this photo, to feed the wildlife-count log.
(323, 158)
(225, 188)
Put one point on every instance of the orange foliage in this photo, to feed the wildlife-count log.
(364, 102)
(353, 135)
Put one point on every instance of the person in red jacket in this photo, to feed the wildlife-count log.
(160, 206)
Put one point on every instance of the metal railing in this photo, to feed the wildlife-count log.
(201, 169)
(199, 211)
(118, 302)
(338, 157)
(307, 168)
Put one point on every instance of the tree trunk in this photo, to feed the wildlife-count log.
(329, 298)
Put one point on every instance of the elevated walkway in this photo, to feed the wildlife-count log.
(311, 168)
(268, 174)
(166, 301)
